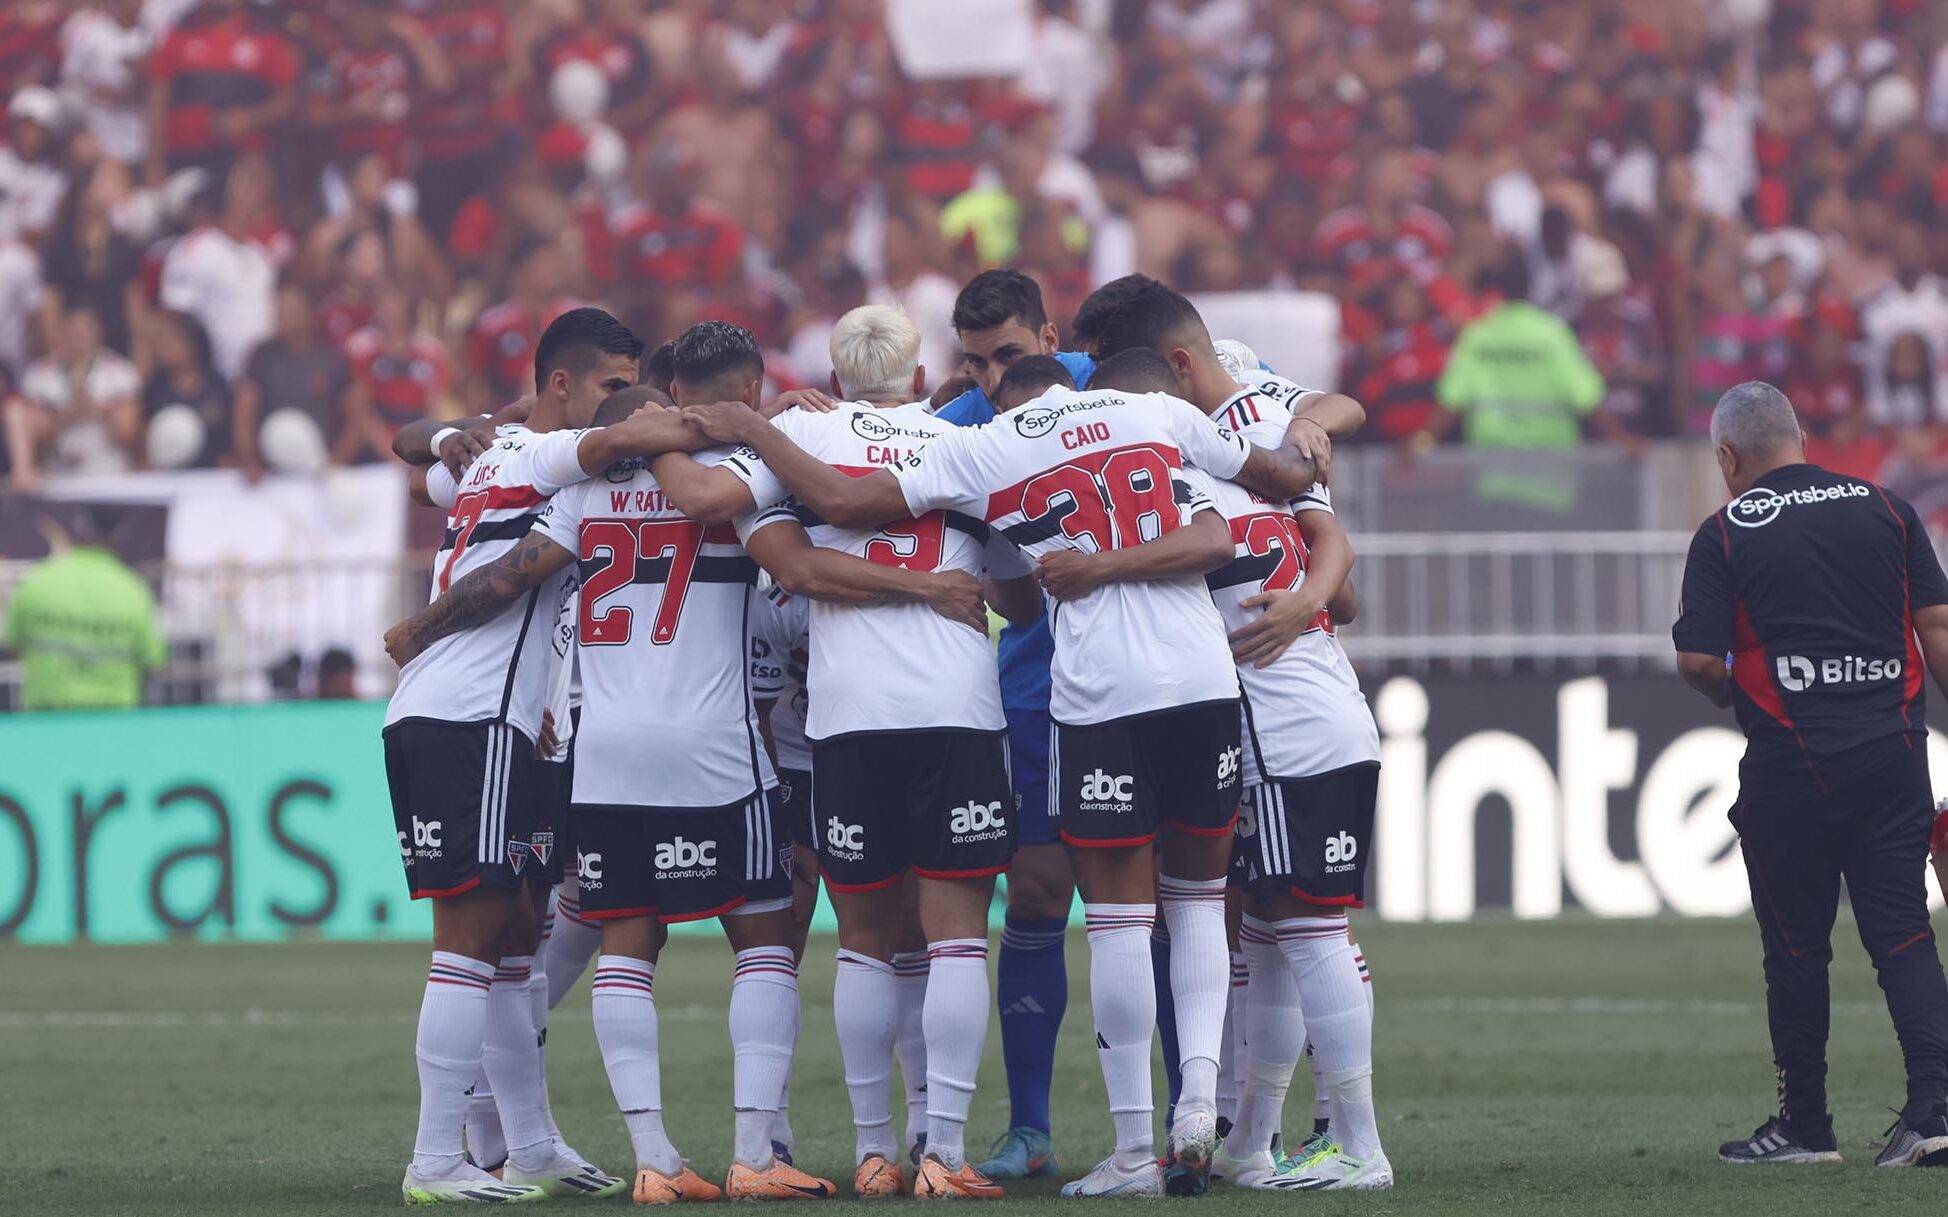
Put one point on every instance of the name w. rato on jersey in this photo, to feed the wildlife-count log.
(497, 672)
(667, 718)
(889, 667)
(1097, 471)
(1304, 714)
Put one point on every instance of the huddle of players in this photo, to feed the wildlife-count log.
(1168, 502)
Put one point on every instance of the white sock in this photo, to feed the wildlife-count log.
(864, 997)
(1339, 1023)
(1275, 1031)
(484, 1139)
(957, 1028)
(910, 1042)
(763, 1030)
(1231, 1059)
(1321, 1097)
(1199, 982)
(452, 1028)
(571, 943)
(511, 1057)
(1123, 996)
(625, 1028)
(538, 1003)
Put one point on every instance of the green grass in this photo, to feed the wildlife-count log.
(1523, 1068)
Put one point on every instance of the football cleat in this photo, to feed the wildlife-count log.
(1772, 1143)
(563, 1175)
(877, 1179)
(1021, 1153)
(1110, 1179)
(778, 1181)
(1243, 1170)
(468, 1184)
(1331, 1171)
(1922, 1144)
(1193, 1142)
(686, 1187)
(936, 1181)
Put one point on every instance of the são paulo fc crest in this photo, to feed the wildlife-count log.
(542, 846)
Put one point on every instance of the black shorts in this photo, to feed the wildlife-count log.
(1308, 836)
(1117, 783)
(680, 863)
(465, 801)
(553, 841)
(939, 802)
(795, 804)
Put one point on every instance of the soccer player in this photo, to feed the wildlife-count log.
(1144, 697)
(1311, 773)
(459, 740)
(909, 760)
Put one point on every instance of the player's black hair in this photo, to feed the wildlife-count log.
(1151, 318)
(1100, 305)
(710, 349)
(661, 368)
(1027, 378)
(993, 296)
(576, 339)
(1135, 370)
(624, 402)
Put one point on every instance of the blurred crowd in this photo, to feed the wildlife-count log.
(265, 235)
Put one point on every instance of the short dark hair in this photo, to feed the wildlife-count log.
(624, 402)
(336, 660)
(661, 368)
(577, 338)
(992, 297)
(1028, 377)
(1098, 306)
(710, 349)
(1136, 370)
(1149, 319)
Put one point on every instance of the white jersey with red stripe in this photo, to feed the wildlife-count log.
(497, 672)
(888, 667)
(780, 656)
(667, 716)
(1096, 471)
(1304, 714)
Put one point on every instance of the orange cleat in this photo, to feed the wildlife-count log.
(878, 1179)
(936, 1182)
(779, 1181)
(688, 1187)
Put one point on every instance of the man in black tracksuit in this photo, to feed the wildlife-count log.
(1825, 595)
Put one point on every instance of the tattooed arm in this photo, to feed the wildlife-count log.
(478, 597)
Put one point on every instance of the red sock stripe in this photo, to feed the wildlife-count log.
(1096, 925)
(1248, 934)
(1170, 891)
(511, 976)
(625, 980)
(911, 963)
(958, 952)
(440, 974)
(766, 962)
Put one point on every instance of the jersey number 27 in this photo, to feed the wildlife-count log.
(663, 551)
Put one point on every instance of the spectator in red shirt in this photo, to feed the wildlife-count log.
(1402, 364)
(1387, 233)
(676, 240)
(217, 86)
(362, 92)
(402, 374)
(500, 346)
(464, 130)
(616, 51)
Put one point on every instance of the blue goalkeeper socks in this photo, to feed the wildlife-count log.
(1032, 990)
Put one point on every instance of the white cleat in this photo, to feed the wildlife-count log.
(1193, 1141)
(1332, 1171)
(1244, 1170)
(1109, 1179)
(465, 1184)
(565, 1174)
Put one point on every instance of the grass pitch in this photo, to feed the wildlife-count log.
(1523, 1068)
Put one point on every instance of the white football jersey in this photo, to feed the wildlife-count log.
(667, 719)
(564, 686)
(889, 667)
(780, 653)
(1096, 471)
(1304, 714)
(497, 672)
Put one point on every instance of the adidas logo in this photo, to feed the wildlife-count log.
(1024, 1005)
(1101, 1043)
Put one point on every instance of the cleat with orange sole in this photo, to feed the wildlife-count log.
(779, 1181)
(936, 1182)
(878, 1179)
(688, 1187)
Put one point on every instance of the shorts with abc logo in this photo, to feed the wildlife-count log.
(466, 798)
(938, 802)
(1308, 836)
(1117, 783)
(681, 863)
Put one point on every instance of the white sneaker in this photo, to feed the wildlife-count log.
(465, 1184)
(1332, 1171)
(1109, 1179)
(564, 1174)
(1242, 1170)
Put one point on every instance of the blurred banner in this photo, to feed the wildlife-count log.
(1532, 793)
(984, 38)
(1294, 333)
